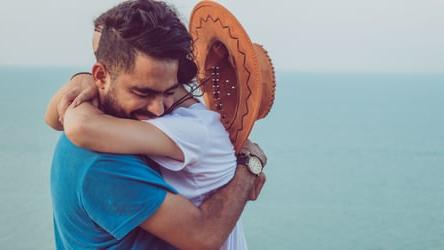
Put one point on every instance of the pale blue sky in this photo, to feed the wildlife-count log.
(316, 35)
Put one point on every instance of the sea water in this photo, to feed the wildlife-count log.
(356, 161)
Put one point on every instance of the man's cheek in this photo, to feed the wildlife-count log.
(168, 102)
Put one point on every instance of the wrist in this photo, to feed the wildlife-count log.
(252, 162)
(245, 179)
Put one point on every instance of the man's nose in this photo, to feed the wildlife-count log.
(157, 106)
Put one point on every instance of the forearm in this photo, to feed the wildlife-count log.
(85, 126)
(88, 127)
(185, 226)
(51, 116)
(222, 210)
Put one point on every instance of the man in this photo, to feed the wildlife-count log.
(116, 201)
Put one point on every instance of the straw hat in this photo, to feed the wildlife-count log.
(237, 76)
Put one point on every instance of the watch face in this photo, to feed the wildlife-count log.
(255, 165)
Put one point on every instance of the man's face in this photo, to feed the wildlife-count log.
(145, 93)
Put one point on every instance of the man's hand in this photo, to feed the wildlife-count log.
(208, 226)
(80, 89)
(250, 147)
(253, 148)
(257, 188)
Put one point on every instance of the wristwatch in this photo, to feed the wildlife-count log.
(252, 162)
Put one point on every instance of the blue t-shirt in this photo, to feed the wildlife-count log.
(99, 200)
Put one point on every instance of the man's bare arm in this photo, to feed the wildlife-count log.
(51, 116)
(183, 225)
(81, 84)
(84, 126)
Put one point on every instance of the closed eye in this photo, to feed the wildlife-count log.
(143, 94)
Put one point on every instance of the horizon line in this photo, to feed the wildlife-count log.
(277, 70)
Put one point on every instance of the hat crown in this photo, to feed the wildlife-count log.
(237, 80)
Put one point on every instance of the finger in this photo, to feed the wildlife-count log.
(61, 108)
(86, 95)
(68, 96)
(257, 188)
(247, 147)
(265, 159)
(257, 150)
(253, 195)
(61, 120)
(71, 93)
(80, 99)
(263, 156)
(260, 183)
(66, 100)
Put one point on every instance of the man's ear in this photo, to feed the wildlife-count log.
(100, 75)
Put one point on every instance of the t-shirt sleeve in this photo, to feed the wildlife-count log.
(189, 134)
(120, 192)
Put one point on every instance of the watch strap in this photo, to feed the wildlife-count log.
(242, 159)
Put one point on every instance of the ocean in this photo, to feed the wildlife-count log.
(356, 161)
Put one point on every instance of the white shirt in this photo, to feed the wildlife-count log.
(209, 160)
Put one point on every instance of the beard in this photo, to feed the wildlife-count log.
(111, 106)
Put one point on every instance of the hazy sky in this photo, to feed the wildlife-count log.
(313, 35)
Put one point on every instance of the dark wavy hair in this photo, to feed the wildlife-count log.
(147, 26)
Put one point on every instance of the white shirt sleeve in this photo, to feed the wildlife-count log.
(189, 134)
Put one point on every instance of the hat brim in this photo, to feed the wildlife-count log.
(210, 23)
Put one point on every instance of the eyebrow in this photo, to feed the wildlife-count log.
(150, 90)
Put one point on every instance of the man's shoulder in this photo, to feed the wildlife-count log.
(103, 164)
(94, 157)
(119, 159)
(125, 169)
(120, 164)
